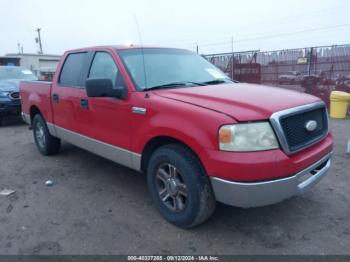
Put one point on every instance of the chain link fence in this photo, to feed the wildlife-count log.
(314, 70)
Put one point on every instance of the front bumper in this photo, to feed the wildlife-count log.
(264, 193)
(10, 107)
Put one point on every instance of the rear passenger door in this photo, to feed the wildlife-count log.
(68, 91)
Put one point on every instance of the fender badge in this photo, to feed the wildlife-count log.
(139, 110)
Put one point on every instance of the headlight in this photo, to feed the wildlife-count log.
(247, 137)
(2, 93)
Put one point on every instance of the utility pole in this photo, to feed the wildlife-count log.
(232, 58)
(38, 40)
(232, 44)
(310, 60)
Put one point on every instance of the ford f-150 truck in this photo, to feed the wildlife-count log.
(199, 136)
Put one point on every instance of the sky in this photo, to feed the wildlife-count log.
(215, 26)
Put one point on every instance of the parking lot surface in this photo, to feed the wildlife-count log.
(98, 207)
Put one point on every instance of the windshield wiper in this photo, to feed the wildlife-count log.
(218, 81)
(173, 84)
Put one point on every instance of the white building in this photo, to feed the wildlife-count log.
(44, 66)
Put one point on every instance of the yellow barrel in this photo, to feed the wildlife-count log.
(339, 104)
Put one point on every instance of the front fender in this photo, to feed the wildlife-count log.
(194, 126)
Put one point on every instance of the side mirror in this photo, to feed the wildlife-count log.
(103, 87)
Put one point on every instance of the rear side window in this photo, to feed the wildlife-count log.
(72, 70)
(103, 66)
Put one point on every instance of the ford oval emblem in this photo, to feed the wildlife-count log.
(311, 125)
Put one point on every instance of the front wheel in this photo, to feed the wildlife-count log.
(45, 142)
(179, 186)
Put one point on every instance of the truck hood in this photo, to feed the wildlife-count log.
(9, 85)
(244, 102)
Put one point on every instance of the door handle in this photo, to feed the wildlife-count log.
(55, 98)
(84, 103)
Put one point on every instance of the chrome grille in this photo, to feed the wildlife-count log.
(290, 126)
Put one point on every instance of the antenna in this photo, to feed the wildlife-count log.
(143, 54)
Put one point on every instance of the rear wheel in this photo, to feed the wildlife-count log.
(179, 186)
(45, 142)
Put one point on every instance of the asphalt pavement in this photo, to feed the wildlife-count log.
(98, 207)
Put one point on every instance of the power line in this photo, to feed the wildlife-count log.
(285, 20)
(277, 35)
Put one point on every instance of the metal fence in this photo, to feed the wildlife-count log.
(314, 70)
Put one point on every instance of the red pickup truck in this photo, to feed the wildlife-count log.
(199, 136)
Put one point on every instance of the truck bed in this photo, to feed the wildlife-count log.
(38, 93)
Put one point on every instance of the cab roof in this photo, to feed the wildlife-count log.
(118, 47)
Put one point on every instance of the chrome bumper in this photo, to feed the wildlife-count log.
(269, 192)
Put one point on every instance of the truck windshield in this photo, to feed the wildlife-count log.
(155, 68)
(16, 72)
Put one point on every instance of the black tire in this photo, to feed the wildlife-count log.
(1, 121)
(200, 201)
(50, 145)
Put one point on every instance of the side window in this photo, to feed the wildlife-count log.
(72, 69)
(103, 66)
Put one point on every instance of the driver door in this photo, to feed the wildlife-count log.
(106, 119)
